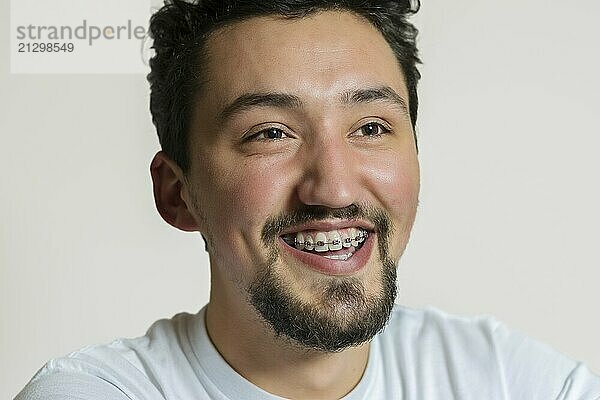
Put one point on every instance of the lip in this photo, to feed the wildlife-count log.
(330, 225)
(333, 267)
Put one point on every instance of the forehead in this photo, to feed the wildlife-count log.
(314, 57)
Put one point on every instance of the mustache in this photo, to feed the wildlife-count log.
(307, 213)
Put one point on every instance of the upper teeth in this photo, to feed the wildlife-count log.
(330, 241)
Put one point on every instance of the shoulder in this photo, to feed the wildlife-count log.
(125, 366)
(433, 339)
(477, 337)
(478, 352)
(432, 321)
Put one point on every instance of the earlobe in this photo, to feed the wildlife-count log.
(168, 183)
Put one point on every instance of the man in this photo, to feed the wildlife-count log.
(287, 130)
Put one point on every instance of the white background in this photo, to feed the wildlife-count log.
(508, 221)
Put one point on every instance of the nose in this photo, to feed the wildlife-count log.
(330, 176)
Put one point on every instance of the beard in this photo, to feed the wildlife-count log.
(344, 315)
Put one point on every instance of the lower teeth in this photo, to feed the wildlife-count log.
(342, 257)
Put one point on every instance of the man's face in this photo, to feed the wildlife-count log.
(304, 177)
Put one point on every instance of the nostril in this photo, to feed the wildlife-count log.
(331, 178)
(331, 193)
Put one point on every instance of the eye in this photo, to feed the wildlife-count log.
(372, 129)
(271, 133)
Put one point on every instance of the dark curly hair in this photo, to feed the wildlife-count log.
(180, 30)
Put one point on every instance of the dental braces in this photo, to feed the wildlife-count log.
(361, 236)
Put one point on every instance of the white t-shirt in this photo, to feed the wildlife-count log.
(421, 355)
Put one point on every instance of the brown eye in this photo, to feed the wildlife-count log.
(269, 134)
(373, 129)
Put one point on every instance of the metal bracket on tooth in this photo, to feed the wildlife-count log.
(361, 235)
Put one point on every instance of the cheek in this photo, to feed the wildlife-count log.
(394, 180)
(235, 199)
(258, 191)
(244, 196)
(395, 183)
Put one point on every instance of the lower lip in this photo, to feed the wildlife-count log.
(333, 267)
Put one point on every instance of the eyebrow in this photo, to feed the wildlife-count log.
(249, 101)
(253, 100)
(369, 95)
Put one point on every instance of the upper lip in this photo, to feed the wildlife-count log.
(330, 225)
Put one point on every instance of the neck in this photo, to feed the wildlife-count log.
(275, 364)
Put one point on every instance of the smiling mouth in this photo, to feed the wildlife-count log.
(340, 244)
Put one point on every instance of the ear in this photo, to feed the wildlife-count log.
(169, 196)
